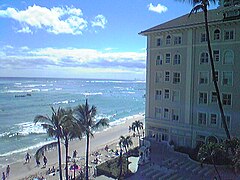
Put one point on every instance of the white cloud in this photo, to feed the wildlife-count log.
(57, 20)
(25, 30)
(158, 8)
(99, 21)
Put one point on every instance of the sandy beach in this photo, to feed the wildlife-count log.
(109, 137)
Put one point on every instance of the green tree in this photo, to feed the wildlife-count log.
(85, 116)
(53, 126)
(137, 125)
(125, 142)
(203, 5)
(70, 130)
(212, 153)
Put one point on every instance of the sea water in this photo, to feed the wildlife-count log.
(21, 99)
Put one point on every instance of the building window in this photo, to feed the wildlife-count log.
(158, 112)
(228, 57)
(203, 37)
(202, 118)
(216, 55)
(159, 41)
(158, 95)
(176, 78)
(175, 114)
(228, 34)
(177, 59)
(159, 60)
(202, 99)
(168, 58)
(227, 78)
(167, 76)
(203, 77)
(228, 121)
(217, 34)
(166, 94)
(216, 75)
(177, 40)
(204, 58)
(213, 119)
(214, 97)
(159, 77)
(226, 99)
(175, 96)
(166, 113)
(168, 40)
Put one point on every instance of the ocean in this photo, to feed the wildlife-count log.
(21, 99)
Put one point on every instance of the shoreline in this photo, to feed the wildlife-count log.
(107, 136)
(18, 154)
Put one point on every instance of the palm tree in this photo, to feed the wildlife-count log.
(211, 152)
(53, 126)
(137, 125)
(70, 130)
(85, 117)
(125, 142)
(203, 5)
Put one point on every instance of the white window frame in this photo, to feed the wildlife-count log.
(204, 58)
(216, 36)
(167, 96)
(212, 97)
(210, 119)
(159, 60)
(176, 79)
(168, 60)
(167, 78)
(158, 94)
(216, 57)
(226, 81)
(175, 115)
(177, 40)
(202, 120)
(203, 80)
(177, 59)
(203, 100)
(166, 116)
(230, 34)
(168, 40)
(225, 102)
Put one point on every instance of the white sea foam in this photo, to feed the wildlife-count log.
(27, 128)
(64, 102)
(91, 94)
(58, 89)
(25, 149)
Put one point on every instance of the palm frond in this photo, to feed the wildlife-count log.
(196, 9)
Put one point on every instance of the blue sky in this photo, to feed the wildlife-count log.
(79, 38)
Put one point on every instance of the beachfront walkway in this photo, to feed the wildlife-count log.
(168, 164)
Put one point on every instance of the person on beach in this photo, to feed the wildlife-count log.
(44, 161)
(7, 171)
(129, 128)
(27, 158)
(74, 153)
(3, 176)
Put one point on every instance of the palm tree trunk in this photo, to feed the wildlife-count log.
(87, 150)
(214, 75)
(66, 147)
(59, 158)
(216, 168)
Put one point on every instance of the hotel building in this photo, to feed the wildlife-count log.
(181, 103)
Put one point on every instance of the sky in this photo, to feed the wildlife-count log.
(79, 38)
